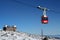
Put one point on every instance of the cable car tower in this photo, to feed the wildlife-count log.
(44, 18)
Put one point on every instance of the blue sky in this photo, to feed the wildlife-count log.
(27, 18)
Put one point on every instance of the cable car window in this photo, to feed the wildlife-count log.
(44, 18)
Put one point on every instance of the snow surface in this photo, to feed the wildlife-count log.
(10, 35)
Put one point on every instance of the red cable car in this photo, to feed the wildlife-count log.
(44, 19)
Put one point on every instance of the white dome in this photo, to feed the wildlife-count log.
(5, 25)
(14, 26)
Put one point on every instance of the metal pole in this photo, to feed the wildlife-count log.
(42, 34)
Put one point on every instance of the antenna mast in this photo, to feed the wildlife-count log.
(42, 34)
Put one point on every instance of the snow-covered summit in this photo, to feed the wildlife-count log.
(15, 35)
(11, 35)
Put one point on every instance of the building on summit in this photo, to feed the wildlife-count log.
(8, 28)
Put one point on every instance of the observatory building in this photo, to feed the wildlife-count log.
(9, 28)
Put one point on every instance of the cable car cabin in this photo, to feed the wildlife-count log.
(44, 20)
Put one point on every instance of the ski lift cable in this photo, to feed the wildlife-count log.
(33, 6)
(26, 4)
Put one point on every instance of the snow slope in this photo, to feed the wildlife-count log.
(10, 35)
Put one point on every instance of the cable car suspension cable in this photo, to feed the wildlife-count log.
(41, 8)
